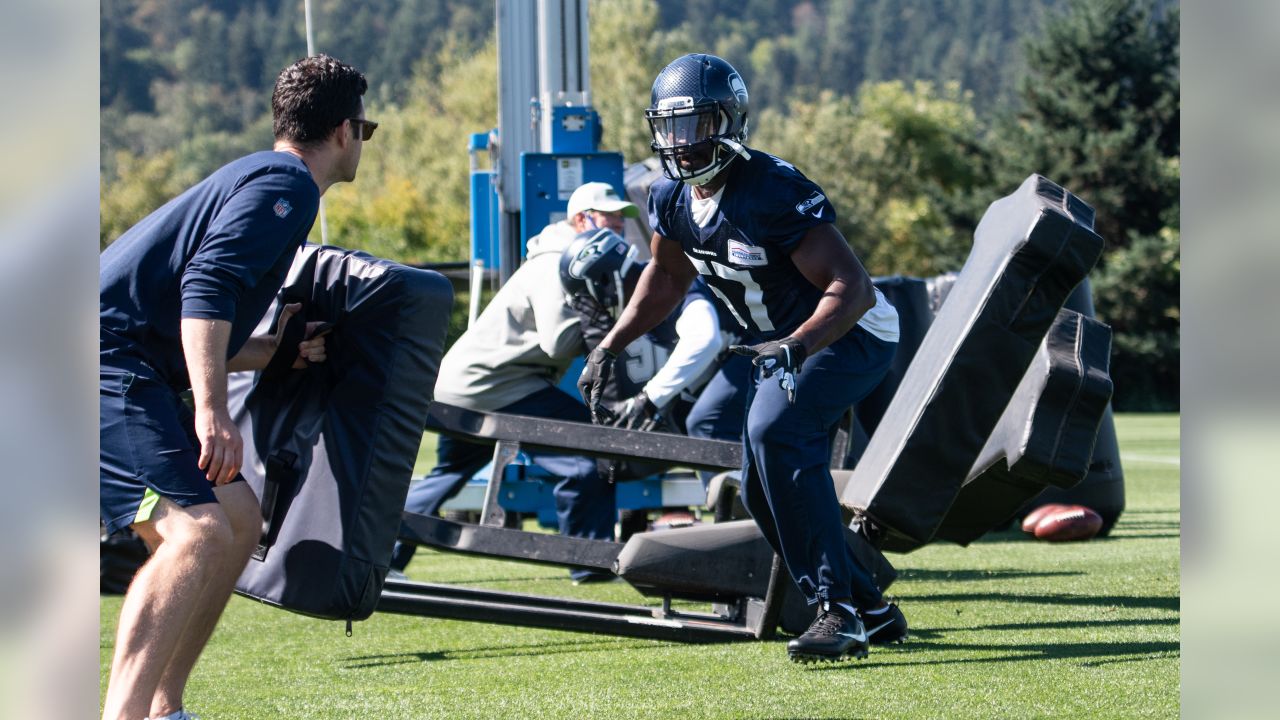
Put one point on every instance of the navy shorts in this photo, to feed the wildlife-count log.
(149, 449)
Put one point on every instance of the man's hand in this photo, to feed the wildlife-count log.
(783, 356)
(786, 355)
(221, 449)
(591, 383)
(311, 349)
(637, 413)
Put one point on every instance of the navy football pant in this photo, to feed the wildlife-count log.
(585, 502)
(787, 485)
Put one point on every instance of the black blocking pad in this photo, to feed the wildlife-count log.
(1103, 488)
(1047, 433)
(1030, 250)
(330, 449)
(724, 562)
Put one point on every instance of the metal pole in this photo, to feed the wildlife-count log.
(311, 51)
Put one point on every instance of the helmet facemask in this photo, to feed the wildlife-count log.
(692, 139)
(596, 264)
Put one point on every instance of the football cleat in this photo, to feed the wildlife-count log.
(887, 627)
(834, 634)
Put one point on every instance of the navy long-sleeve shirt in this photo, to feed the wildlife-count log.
(218, 251)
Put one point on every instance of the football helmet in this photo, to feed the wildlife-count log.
(697, 116)
(595, 264)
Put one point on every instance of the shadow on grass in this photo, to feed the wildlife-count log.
(1093, 654)
(968, 575)
(1149, 524)
(1155, 602)
(937, 633)
(1125, 524)
(529, 650)
(508, 578)
(1064, 624)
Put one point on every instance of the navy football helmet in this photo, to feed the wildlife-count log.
(595, 264)
(698, 117)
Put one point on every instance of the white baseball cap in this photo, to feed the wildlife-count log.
(602, 197)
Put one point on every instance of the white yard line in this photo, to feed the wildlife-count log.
(1158, 459)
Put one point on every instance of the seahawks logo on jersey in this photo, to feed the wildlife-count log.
(807, 205)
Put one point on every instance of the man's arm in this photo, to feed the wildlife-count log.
(258, 350)
(204, 342)
(826, 260)
(662, 286)
(700, 343)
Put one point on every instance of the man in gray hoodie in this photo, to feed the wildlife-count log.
(510, 360)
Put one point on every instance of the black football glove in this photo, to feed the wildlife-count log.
(637, 413)
(591, 383)
(787, 355)
(783, 356)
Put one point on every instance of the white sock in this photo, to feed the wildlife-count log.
(849, 608)
(877, 612)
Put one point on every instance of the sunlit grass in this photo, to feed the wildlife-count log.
(1006, 628)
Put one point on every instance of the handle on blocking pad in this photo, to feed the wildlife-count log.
(279, 466)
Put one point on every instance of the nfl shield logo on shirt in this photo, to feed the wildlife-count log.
(282, 208)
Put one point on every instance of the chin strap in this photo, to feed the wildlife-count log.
(737, 147)
(706, 176)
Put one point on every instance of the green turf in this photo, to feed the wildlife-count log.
(1006, 628)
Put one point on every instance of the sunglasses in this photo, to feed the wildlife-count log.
(366, 127)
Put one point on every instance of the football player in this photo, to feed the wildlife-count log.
(763, 237)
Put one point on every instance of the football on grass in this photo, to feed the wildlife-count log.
(1074, 522)
(1034, 517)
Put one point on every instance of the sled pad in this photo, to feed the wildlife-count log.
(1030, 250)
(1047, 433)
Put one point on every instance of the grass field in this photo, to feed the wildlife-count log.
(1006, 628)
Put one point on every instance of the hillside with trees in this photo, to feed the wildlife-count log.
(912, 114)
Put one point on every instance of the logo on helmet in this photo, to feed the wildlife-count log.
(738, 87)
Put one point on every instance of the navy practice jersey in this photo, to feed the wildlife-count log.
(743, 252)
(218, 251)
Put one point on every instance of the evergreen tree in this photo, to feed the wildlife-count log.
(1101, 119)
(1101, 111)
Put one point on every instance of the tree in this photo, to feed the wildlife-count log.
(411, 200)
(140, 185)
(1101, 111)
(1101, 119)
(898, 164)
(1137, 294)
(626, 55)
